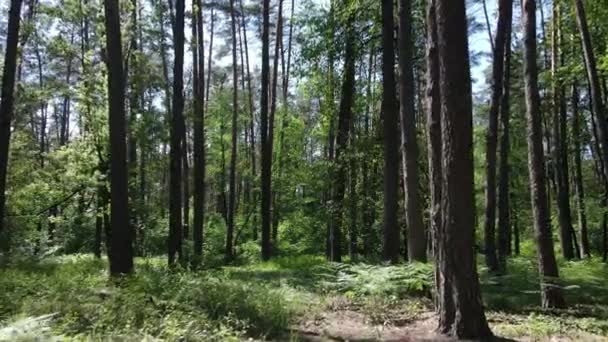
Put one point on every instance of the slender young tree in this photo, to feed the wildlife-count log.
(416, 236)
(391, 137)
(560, 150)
(8, 98)
(578, 173)
(465, 317)
(199, 132)
(597, 101)
(504, 19)
(551, 293)
(133, 74)
(273, 110)
(235, 112)
(121, 261)
(176, 138)
(344, 122)
(504, 205)
(210, 58)
(264, 126)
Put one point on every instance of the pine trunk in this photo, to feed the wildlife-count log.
(504, 205)
(551, 294)
(7, 98)
(498, 66)
(265, 139)
(456, 256)
(176, 139)
(121, 261)
(391, 137)
(416, 241)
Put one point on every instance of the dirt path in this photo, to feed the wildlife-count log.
(355, 326)
(350, 325)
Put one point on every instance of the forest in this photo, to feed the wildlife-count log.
(310, 170)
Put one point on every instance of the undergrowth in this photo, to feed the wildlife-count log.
(263, 300)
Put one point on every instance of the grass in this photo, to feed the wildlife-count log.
(263, 300)
(514, 300)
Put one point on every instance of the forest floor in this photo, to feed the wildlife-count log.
(289, 298)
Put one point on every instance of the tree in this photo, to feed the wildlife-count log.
(199, 132)
(598, 107)
(132, 73)
(560, 149)
(416, 236)
(8, 98)
(578, 173)
(176, 138)
(504, 192)
(265, 143)
(391, 137)
(464, 317)
(433, 122)
(235, 112)
(344, 124)
(273, 109)
(502, 29)
(551, 294)
(121, 261)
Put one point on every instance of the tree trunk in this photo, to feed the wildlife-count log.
(367, 215)
(176, 138)
(551, 294)
(344, 122)
(210, 59)
(7, 98)
(98, 227)
(502, 29)
(597, 102)
(578, 174)
(121, 261)
(133, 73)
(273, 110)
(560, 150)
(416, 241)
(251, 109)
(488, 26)
(594, 81)
(456, 256)
(266, 142)
(185, 182)
(504, 210)
(199, 135)
(235, 112)
(443, 297)
(391, 137)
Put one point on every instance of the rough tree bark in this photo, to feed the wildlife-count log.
(265, 144)
(433, 121)
(416, 236)
(7, 98)
(121, 261)
(456, 256)
(391, 240)
(551, 294)
(504, 205)
(176, 138)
